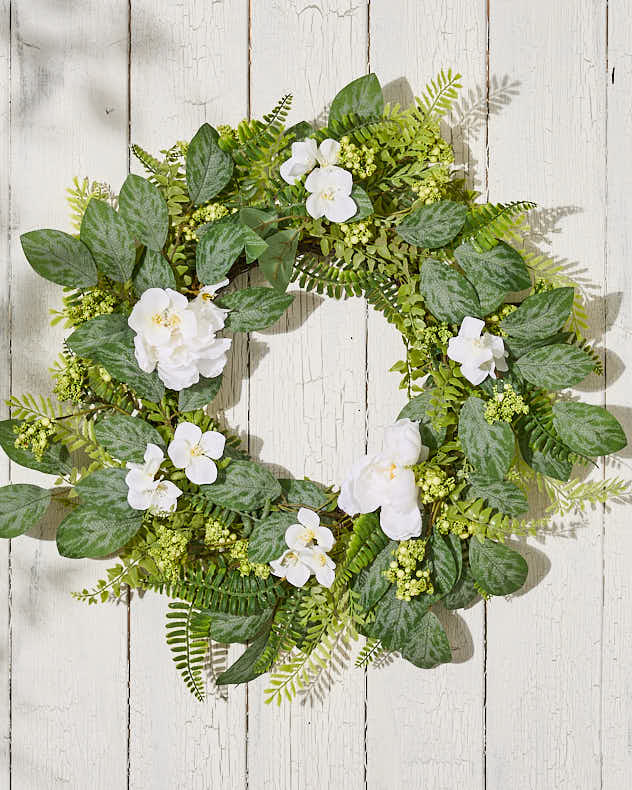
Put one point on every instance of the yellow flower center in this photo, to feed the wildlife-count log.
(391, 471)
(167, 319)
(328, 194)
(196, 451)
(322, 559)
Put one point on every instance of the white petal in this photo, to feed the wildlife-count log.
(297, 574)
(212, 444)
(471, 327)
(341, 209)
(355, 492)
(401, 491)
(178, 377)
(501, 363)
(402, 442)
(473, 374)
(325, 575)
(154, 456)
(145, 354)
(328, 152)
(211, 368)
(339, 178)
(297, 537)
(201, 470)
(400, 524)
(308, 518)
(139, 480)
(314, 181)
(315, 206)
(325, 538)
(139, 500)
(287, 171)
(188, 431)
(179, 451)
(459, 349)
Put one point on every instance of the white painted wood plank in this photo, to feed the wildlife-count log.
(307, 389)
(189, 64)
(616, 737)
(5, 379)
(69, 77)
(544, 654)
(425, 727)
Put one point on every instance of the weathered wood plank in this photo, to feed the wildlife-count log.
(425, 727)
(616, 738)
(307, 389)
(544, 654)
(69, 689)
(5, 380)
(188, 65)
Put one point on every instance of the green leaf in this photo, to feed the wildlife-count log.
(88, 532)
(500, 495)
(60, 258)
(145, 212)
(443, 563)
(448, 295)
(430, 646)
(498, 569)
(153, 271)
(304, 492)
(434, 225)
(588, 430)
(229, 628)
(126, 438)
(262, 222)
(543, 461)
(408, 626)
(363, 202)
(108, 341)
(218, 249)
(106, 235)
(540, 315)
(254, 245)
(519, 348)
(55, 460)
(300, 130)
(242, 486)
(417, 409)
(489, 448)
(21, 507)
(267, 540)
(209, 169)
(277, 262)
(105, 491)
(493, 272)
(455, 544)
(244, 669)
(363, 97)
(199, 395)
(254, 308)
(555, 367)
(371, 584)
(464, 592)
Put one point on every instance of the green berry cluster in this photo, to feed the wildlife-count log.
(239, 553)
(505, 405)
(405, 570)
(431, 337)
(493, 321)
(433, 482)
(34, 436)
(359, 159)
(217, 536)
(432, 187)
(92, 304)
(71, 380)
(169, 550)
(460, 527)
(357, 233)
(541, 285)
(207, 213)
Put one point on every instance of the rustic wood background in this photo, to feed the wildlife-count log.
(540, 694)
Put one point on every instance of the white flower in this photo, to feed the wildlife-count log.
(331, 189)
(294, 566)
(308, 532)
(178, 337)
(479, 356)
(195, 452)
(144, 491)
(305, 155)
(308, 544)
(383, 480)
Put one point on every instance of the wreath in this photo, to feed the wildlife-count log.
(370, 205)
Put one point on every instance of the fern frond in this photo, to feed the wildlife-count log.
(188, 639)
(488, 222)
(575, 495)
(440, 94)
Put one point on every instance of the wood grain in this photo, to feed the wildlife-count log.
(425, 728)
(544, 656)
(188, 65)
(69, 117)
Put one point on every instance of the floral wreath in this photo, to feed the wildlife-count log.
(369, 205)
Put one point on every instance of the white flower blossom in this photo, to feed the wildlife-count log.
(178, 337)
(330, 197)
(160, 496)
(384, 480)
(195, 452)
(480, 356)
(305, 155)
(308, 544)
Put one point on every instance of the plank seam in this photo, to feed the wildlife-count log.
(129, 592)
(10, 350)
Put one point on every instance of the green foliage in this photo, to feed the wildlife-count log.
(556, 366)
(362, 97)
(21, 507)
(208, 168)
(144, 211)
(242, 486)
(489, 448)
(433, 226)
(254, 308)
(448, 295)
(105, 234)
(440, 94)
(60, 258)
(188, 638)
(497, 569)
(486, 223)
